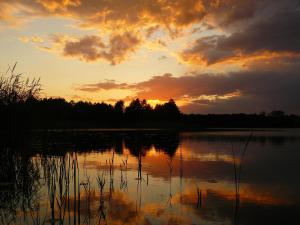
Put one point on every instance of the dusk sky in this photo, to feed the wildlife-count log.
(211, 56)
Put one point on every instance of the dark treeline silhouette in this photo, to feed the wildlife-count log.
(274, 119)
(21, 109)
(58, 113)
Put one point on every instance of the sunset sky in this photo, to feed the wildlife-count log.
(211, 56)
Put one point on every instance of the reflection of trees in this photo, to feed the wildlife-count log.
(141, 143)
(45, 186)
(167, 143)
(136, 141)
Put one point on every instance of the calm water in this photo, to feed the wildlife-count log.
(151, 177)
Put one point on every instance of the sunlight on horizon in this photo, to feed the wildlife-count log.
(209, 48)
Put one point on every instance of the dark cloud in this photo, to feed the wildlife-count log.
(276, 32)
(259, 90)
(261, 87)
(86, 48)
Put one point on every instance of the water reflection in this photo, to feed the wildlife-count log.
(151, 177)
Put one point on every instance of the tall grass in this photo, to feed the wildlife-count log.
(170, 165)
(14, 88)
(101, 210)
(237, 176)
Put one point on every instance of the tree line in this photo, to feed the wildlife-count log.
(21, 107)
(58, 111)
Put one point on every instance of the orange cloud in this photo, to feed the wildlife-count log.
(121, 14)
(245, 28)
(236, 57)
(92, 48)
(92, 13)
(53, 5)
(33, 39)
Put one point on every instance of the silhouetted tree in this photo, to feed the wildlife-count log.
(277, 113)
(134, 107)
(167, 110)
(119, 107)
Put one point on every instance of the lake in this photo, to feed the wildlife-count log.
(152, 177)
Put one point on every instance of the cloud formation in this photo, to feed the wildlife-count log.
(117, 14)
(118, 21)
(259, 39)
(91, 47)
(107, 85)
(272, 31)
(33, 39)
(250, 29)
(251, 90)
(87, 48)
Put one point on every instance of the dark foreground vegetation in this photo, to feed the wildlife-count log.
(47, 163)
(21, 108)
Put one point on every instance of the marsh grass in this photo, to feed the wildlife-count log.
(237, 166)
(58, 173)
(111, 175)
(101, 210)
(199, 197)
(170, 165)
(15, 89)
(35, 214)
(88, 193)
(123, 176)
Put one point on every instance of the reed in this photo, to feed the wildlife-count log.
(237, 175)
(123, 174)
(101, 210)
(170, 165)
(88, 192)
(36, 217)
(139, 166)
(199, 198)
